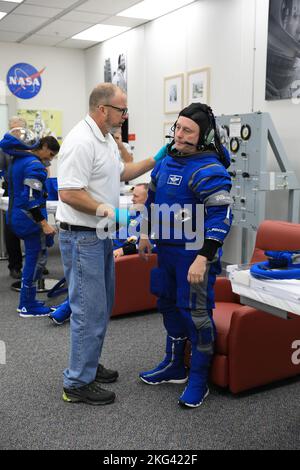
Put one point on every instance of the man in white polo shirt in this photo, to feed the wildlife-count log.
(89, 170)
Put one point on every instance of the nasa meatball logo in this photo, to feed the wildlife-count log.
(24, 80)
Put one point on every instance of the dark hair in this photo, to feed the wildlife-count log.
(51, 143)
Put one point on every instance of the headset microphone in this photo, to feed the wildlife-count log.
(184, 143)
(189, 143)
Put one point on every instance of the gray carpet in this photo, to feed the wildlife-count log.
(33, 415)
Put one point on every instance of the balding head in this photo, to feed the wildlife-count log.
(16, 121)
(108, 106)
(102, 94)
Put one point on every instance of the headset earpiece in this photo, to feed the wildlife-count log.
(209, 136)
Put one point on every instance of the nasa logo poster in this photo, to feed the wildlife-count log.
(24, 81)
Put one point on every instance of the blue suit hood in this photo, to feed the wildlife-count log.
(15, 147)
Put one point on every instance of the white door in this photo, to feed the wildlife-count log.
(3, 119)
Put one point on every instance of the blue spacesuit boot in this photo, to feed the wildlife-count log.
(29, 307)
(196, 390)
(62, 313)
(172, 368)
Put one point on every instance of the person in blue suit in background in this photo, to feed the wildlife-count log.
(27, 215)
(193, 174)
(12, 242)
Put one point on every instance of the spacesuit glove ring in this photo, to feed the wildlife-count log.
(160, 154)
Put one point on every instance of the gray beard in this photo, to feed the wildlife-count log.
(112, 130)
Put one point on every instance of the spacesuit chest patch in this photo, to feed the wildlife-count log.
(175, 180)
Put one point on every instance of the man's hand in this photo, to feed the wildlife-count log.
(145, 248)
(47, 229)
(118, 138)
(197, 270)
(118, 253)
(105, 210)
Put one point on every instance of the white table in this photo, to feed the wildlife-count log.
(277, 297)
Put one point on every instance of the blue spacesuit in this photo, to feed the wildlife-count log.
(184, 181)
(27, 207)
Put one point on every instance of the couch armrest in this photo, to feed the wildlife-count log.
(133, 284)
(223, 291)
(260, 348)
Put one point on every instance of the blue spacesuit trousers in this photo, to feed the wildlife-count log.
(186, 308)
(35, 262)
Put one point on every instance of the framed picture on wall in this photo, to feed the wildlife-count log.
(198, 83)
(173, 94)
(167, 131)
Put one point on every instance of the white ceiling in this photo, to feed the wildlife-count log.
(53, 23)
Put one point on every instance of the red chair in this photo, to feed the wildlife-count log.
(254, 348)
(133, 284)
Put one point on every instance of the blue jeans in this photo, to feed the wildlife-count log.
(89, 269)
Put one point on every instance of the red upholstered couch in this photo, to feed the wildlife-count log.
(133, 284)
(254, 348)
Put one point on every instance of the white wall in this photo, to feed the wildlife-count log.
(63, 81)
(214, 33)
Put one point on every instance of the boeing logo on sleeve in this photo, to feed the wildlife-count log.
(24, 81)
(175, 180)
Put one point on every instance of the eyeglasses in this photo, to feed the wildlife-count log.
(124, 111)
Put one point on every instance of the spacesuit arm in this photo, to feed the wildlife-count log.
(34, 195)
(214, 192)
(218, 216)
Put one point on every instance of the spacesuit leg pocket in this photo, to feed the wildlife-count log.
(159, 284)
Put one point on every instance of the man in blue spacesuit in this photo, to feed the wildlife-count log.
(193, 173)
(26, 215)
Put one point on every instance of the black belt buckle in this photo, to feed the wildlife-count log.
(64, 226)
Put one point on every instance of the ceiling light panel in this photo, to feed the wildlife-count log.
(151, 9)
(100, 32)
(2, 14)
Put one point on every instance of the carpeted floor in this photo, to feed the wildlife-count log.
(33, 415)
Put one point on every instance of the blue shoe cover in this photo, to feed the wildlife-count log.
(33, 311)
(172, 368)
(61, 314)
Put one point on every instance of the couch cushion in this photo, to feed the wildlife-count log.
(275, 235)
(222, 317)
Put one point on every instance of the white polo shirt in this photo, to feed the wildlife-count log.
(91, 161)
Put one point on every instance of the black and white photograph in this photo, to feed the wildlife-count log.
(198, 84)
(173, 93)
(115, 70)
(283, 57)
